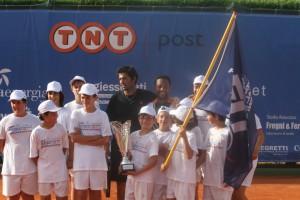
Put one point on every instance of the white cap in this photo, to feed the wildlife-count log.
(186, 102)
(199, 80)
(149, 110)
(163, 109)
(54, 86)
(88, 89)
(47, 106)
(77, 78)
(17, 95)
(181, 112)
(217, 107)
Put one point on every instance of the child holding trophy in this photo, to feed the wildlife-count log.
(143, 149)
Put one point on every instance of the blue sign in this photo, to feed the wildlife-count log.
(38, 47)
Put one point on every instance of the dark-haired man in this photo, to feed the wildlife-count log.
(162, 88)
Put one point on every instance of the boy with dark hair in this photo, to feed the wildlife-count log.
(19, 174)
(216, 146)
(48, 145)
(90, 132)
(143, 149)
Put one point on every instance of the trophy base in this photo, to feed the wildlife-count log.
(126, 168)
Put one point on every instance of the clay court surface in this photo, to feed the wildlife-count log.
(263, 188)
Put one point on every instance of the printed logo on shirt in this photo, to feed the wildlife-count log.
(180, 148)
(50, 142)
(16, 129)
(215, 142)
(140, 148)
(90, 127)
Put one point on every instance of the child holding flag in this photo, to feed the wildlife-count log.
(181, 172)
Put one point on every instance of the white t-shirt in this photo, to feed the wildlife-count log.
(216, 147)
(163, 138)
(88, 157)
(143, 147)
(203, 122)
(16, 132)
(199, 137)
(181, 168)
(72, 105)
(47, 145)
(64, 117)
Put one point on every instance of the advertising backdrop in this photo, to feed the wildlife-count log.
(37, 47)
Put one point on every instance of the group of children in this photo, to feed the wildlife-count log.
(178, 178)
(36, 149)
(36, 156)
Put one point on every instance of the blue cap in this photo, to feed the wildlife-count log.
(217, 107)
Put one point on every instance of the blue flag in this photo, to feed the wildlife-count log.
(230, 85)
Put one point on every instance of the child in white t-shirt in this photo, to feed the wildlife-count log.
(216, 146)
(181, 171)
(89, 131)
(48, 145)
(164, 136)
(19, 174)
(143, 149)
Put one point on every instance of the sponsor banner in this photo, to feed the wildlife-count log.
(38, 47)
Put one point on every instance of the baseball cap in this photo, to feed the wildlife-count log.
(181, 112)
(77, 78)
(199, 80)
(149, 110)
(217, 107)
(47, 106)
(186, 102)
(17, 95)
(54, 86)
(88, 89)
(163, 109)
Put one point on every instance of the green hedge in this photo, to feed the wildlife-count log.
(266, 4)
(289, 7)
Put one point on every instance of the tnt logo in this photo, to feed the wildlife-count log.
(92, 37)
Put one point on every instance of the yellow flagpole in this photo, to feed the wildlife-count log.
(201, 89)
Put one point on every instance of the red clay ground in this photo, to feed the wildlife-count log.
(263, 188)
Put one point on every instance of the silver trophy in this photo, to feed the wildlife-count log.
(121, 132)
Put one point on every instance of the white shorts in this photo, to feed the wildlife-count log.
(159, 192)
(14, 184)
(93, 179)
(138, 190)
(60, 189)
(248, 180)
(212, 193)
(181, 190)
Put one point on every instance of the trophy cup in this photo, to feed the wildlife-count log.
(121, 132)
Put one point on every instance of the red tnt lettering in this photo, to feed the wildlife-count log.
(65, 36)
(92, 37)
